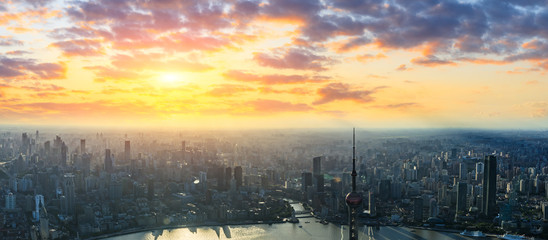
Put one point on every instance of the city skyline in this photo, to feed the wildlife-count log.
(281, 64)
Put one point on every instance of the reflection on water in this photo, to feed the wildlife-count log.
(286, 231)
(306, 229)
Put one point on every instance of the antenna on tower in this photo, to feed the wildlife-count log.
(354, 174)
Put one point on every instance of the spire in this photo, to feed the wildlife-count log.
(354, 174)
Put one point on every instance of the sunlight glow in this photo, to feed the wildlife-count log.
(171, 78)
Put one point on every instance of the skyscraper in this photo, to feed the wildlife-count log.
(127, 151)
(238, 176)
(489, 185)
(353, 199)
(10, 201)
(462, 188)
(82, 146)
(318, 175)
(68, 188)
(108, 161)
(64, 150)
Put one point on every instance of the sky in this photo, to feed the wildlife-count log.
(275, 64)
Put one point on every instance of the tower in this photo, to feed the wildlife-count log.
(489, 185)
(353, 199)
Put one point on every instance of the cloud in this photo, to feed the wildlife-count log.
(18, 52)
(7, 41)
(272, 106)
(80, 47)
(296, 91)
(340, 91)
(402, 67)
(155, 61)
(293, 58)
(223, 90)
(431, 61)
(369, 57)
(272, 78)
(398, 105)
(104, 73)
(21, 68)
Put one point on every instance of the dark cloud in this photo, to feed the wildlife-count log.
(294, 58)
(28, 69)
(431, 61)
(340, 91)
(272, 78)
(80, 47)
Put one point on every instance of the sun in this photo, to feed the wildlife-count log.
(170, 78)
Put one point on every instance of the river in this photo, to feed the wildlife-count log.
(306, 229)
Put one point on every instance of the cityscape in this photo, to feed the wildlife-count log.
(89, 185)
(273, 119)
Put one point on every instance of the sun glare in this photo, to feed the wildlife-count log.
(171, 78)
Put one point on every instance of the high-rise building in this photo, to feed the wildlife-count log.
(306, 180)
(64, 150)
(353, 199)
(10, 201)
(82, 146)
(434, 209)
(127, 151)
(238, 176)
(372, 206)
(68, 188)
(38, 204)
(462, 188)
(108, 161)
(228, 177)
(318, 175)
(417, 209)
(489, 185)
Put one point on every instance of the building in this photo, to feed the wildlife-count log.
(306, 178)
(353, 199)
(64, 150)
(82, 146)
(68, 188)
(318, 175)
(417, 209)
(127, 151)
(108, 162)
(462, 188)
(238, 176)
(489, 185)
(10, 201)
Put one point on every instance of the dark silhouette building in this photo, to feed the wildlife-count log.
(238, 176)
(108, 161)
(127, 151)
(353, 199)
(82, 146)
(318, 175)
(462, 188)
(489, 185)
